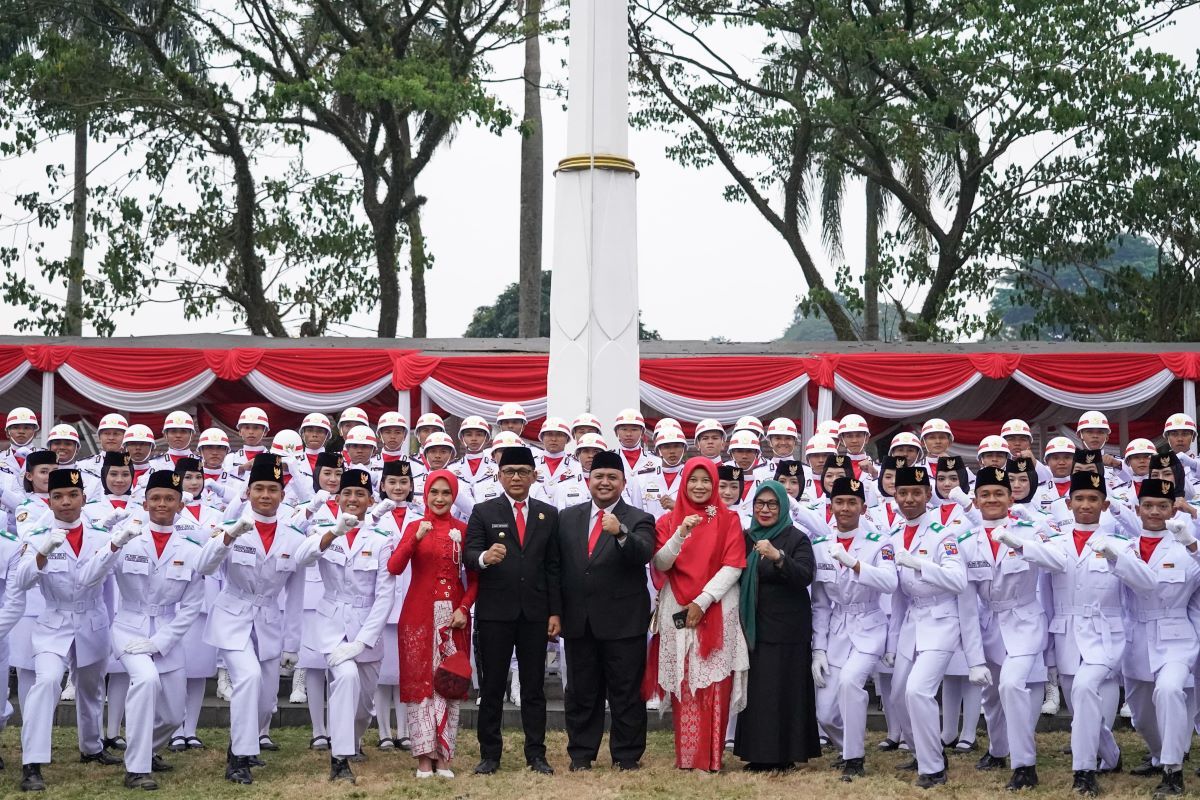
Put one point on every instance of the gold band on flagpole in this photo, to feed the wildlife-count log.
(582, 163)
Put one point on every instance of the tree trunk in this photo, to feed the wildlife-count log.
(389, 282)
(74, 320)
(871, 265)
(417, 263)
(530, 296)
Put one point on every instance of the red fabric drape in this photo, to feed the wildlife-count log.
(495, 377)
(923, 374)
(1090, 373)
(720, 377)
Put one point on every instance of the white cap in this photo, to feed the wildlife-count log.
(630, 416)
(753, 424)
(666, 422)
(22, 416)
(254, 416)
(391, 419)
(706, 425)
(430, 420)
(905, 438)
(112, 422)
(362, 434)
(585, 421)
(830, 427)
(744, 440)
(505, 439)
(591, 440)
(782, 426)
(554, 425)
(439, 439)
(820, 443)
(286, 442)
(993, 444)
(936, 425)
(511, 411)
(1140, 447)
(138, 433)
(354, 414)
(213, 437)
(1017, 427)
(1093, 420)
(1179, 422)
(853, 423)
(316, 421)
(474, 423)
(179, 421)
(670, 436)
(63, 433)
(1060, 444)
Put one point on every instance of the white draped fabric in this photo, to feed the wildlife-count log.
(10, 380)
(304, 402)
(1106, 401)
(161, 400)
(887, 407)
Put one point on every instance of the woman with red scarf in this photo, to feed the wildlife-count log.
(701, 653)
(434, 622)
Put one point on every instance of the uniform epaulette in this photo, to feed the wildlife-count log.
(937, 527)
(91, 502)
(12, 537)
(1024, 524)
(822, 539)
(38, 531)
(381, 532)
(193, 541)
(25, 502)
(1119, 536)
(874, 537)
(814, 506)
(966, 536)
(99, 528)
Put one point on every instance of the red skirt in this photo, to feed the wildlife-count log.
(700, 723)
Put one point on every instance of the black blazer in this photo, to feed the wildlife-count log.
(526, 583)
(784, 611)
(609, 589)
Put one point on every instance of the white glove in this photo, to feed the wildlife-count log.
(820, 668)
(1104, 546)
(115, 518)
(1007, 537)
(980, 676)
(139, 647)
(844, 558)
(1179, 528)
(127, 533)
(345, 652)
(212, 485)
(1189, 461)
(888, 660)
(188, 497)
(1020, 511)
(906, 559)
(53, 540)
(382, 508)
(288, 660)
(235, 529)
(960, 497)
(345, 524)
(319, 499)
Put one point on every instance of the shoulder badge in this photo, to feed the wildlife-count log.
(937, 527)
(190, 539)
(821, 540)
(966, 536)
(873, 537)
(1024, 524)
(12, 537)
(24, 515)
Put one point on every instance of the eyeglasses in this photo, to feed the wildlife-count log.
(766, 505)
(516, 472)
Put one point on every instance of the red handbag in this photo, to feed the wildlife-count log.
(452, 678)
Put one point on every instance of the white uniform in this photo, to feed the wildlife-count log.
(72, 630)
(200, 522)
(169, 459)
(358, 597)
(851, 627)
(12, 610)
(246, 624)
(33, 514)
(664, 482)
(236, 458)
(933, 617)
(1089, 633)
(485, 472)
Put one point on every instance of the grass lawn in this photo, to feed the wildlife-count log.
(295, 773)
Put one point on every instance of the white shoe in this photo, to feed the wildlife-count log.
(68, 692)
(423, 774)
(1053, 700)
(445, 773)
(299, 688)
(224, 685)
(1125, 711)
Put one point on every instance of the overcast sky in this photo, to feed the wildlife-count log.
(706, 267)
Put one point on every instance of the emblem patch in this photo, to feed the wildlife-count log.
(950, 548)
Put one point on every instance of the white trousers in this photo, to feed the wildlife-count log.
(37, 710)
(914, 700)
(255, 684)
(1093, 691)
(961, 706)
(1161, 714)
(1011, 707)
(154, 707)
(842, 704)
(351, 693)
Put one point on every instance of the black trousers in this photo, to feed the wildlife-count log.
(496, 643)
(605, 669)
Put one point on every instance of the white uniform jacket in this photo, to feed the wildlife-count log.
(846, 608)
(1161, 625)
(1012, 620)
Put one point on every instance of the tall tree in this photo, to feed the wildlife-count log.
(532, 144)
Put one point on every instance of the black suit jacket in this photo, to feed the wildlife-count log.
(526, 582)
(609, 589)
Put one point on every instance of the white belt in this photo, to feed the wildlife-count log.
(76, 607)
(1149, 615)
(855, 608)
(259, 600)
(356, 600)
(149, 609)
(1088, 611)
(996, 606)
(934, 600)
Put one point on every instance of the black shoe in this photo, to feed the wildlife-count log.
(238, 770)
(403, 743)
(580, 766)
(1022, 778)
(541, 766)
(1146, 769)
(194, 744)
(1085, 783)
(853, 768)
(358, 757)
(320, 743)
(931, 780)
(487, 766)
(178, 744)
(158, 765)
(339, 770)
(31, 778)
(908, 766)
(837, 763)
(102, 757)
(140, 780)
(115, 743)
(887, 745)
(1113, 770)
(255, 761)
(963, 746)
(988, 761)
(265, 743)
(628, 766)
(1171, 785)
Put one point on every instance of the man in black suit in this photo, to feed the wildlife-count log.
(605, 545)
(512, 541)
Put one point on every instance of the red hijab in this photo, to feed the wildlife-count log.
(441, 522)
